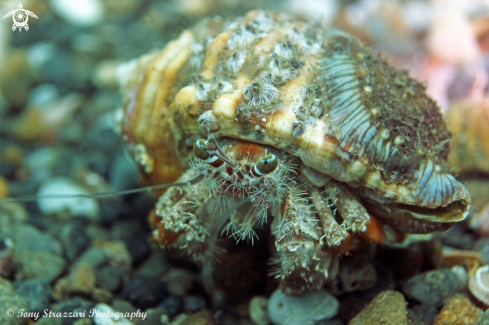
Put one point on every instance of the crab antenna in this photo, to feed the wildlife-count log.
(219, 152)
(30, 198)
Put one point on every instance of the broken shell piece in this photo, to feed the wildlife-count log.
(479, 284)
(469, 259)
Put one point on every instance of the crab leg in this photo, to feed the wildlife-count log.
(304, 263)
(333, 232)
(354, 214)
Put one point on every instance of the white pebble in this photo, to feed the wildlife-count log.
(40, 53)
(258, 310)
(304, 310)
(104, 313)
(79, 13)
(43, 94)
(74, 206)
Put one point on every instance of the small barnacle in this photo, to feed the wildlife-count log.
(235, 61)
(282, 70)
(242, 114)
(209, 122)
(203, 91)
(259, 93)
(263, 23)
(241, 38)
(284, 50)
(223, 87)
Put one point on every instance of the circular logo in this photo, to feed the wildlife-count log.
(20, 18)
(10, 313)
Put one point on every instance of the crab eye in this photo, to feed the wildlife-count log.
(200, 149)
(266, 165)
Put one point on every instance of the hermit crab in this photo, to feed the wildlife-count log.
(268, 120)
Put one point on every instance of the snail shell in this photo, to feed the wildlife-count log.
(315, 93)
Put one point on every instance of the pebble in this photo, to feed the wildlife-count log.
(83, 321)
(172, 305)
(74, 238)
(41, 162)
(86, 207)
(49, 321)
(80, 280)
(138, 246)
(80, 13)
(4, 190)
(432, 287)
(155, 265)
(144, 291)
(29, 238)
(104, 75)
(153, 317)
(7, 169)
(36, 292)
(101, 295)
(484, 319)
(10, 299)
(423, 314)
(111, 277)
(304, 310)
(117, 253)
(458, 310)
(76, 304)
(43, 94)
(355, 273)
(123, 306)
(388, 307)
(193, 303)
(38, 265)
(203, 317)
(6, 257)
(38, 54)
(258, 310)
(94, 256)
(108, 316)
(179, 281)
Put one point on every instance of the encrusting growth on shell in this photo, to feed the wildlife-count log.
(357, 150)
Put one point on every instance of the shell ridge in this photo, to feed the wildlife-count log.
(358, 116)
(368, 136)
(425, 172)
(345, 106)
(351, 113)
(353, 126)
(425, 195)
(358, 134)
(339, 88)
(342, 103)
